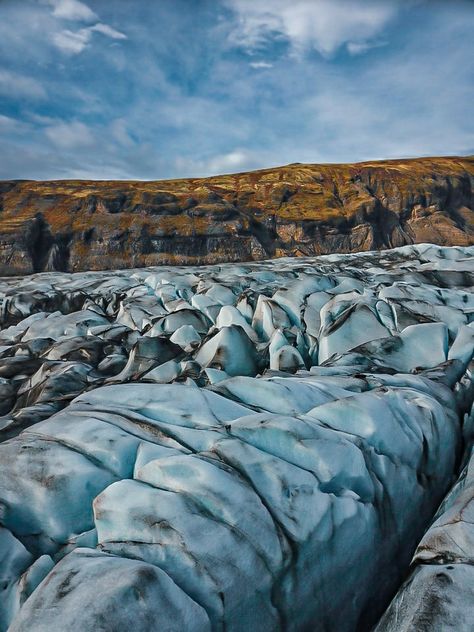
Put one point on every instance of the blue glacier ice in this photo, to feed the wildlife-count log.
(266, 446)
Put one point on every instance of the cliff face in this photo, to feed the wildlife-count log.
(294, 210)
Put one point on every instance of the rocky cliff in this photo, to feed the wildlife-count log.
(294, 210)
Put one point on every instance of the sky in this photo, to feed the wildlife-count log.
(151, 89)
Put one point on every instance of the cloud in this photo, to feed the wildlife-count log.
(232, 161)
(359, 48)
(74, 42)
(15, 85)
(72, 10)
(119, 132)
(107, 30)
(71, 135)
(260, 64)
(229, 162)
(9, 124)
(321, 25)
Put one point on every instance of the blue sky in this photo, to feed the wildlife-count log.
(152, 89)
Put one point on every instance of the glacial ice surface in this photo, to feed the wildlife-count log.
(239, 447)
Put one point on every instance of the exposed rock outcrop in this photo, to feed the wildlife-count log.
(294, 210)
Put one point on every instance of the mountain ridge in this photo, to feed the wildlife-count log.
(292, 210)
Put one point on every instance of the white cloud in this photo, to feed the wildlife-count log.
(322, 25)
(107, 30)
(359, 48)
(72, 10)
(230, 162)
(9, 124)
(119, 132)
(74, 42)
(70, 135)
(260, 64)
(15, 85)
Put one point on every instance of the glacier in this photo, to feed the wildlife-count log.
(281, 445)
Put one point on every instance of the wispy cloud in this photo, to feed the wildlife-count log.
(73, 135)
(107, 30)
(13, 84)
(260, 64)
(9, 124)
(72, 10)
(359, 48)
(74, 42)
(233, 160)
(322, 25)
(120, 133)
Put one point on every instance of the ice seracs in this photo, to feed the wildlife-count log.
(236, 447)
(439, 593)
